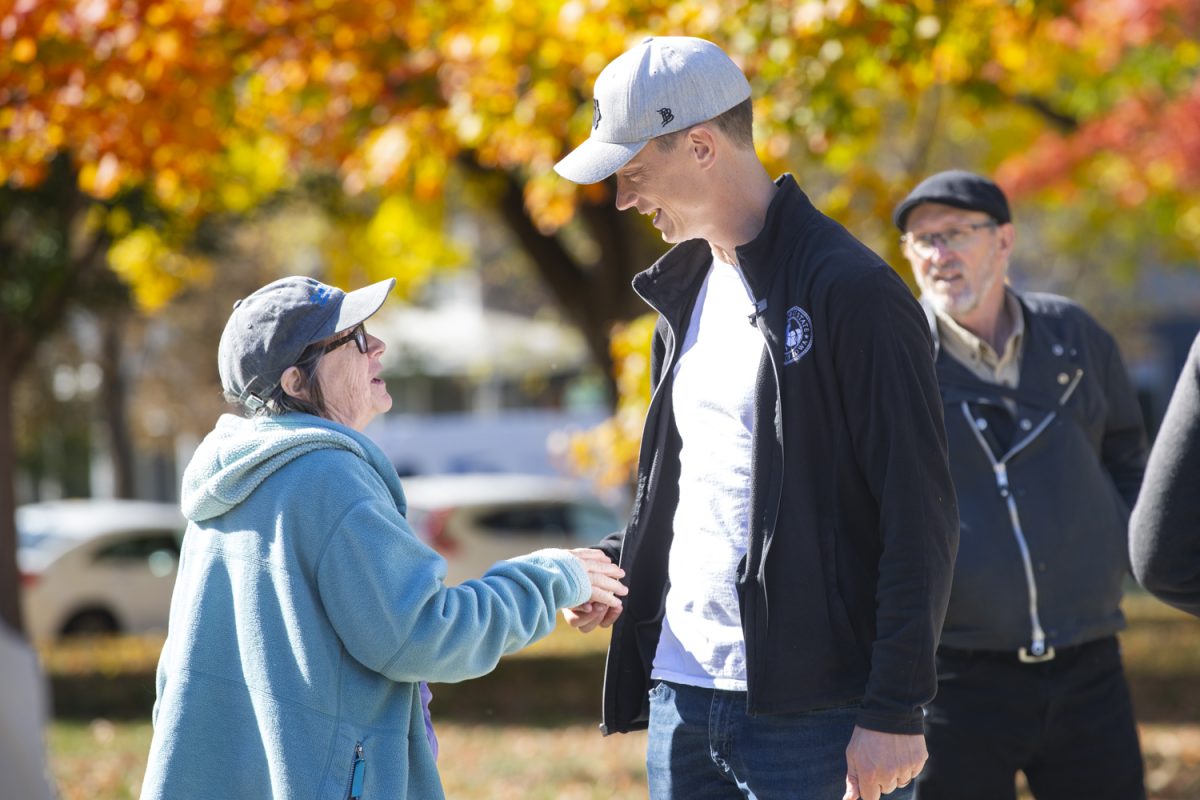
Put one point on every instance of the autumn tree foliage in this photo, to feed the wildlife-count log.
(126, 124)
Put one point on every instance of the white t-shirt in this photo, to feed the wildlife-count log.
(713, 400)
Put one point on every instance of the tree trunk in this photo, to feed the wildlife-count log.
(113, 397)
(594, 296)
(10, 583)
(51, 280)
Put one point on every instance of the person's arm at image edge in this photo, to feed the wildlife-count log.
(1164, 533)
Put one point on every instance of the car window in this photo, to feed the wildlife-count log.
(593, 522)
(547, 520)
(140, 546)
(575, 520)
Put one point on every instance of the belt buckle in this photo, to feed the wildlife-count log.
(1029, 658)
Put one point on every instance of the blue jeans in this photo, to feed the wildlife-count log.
(704, 746)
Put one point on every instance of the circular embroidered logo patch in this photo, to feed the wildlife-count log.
(799, 335)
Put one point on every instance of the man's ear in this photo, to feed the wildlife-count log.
(293, 384)
(1008, 238)
(702, 145)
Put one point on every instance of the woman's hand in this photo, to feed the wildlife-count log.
(604, 606)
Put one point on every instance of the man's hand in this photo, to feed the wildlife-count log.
(603, 608)
(878, 763)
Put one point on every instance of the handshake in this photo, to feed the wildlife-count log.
(605, 604)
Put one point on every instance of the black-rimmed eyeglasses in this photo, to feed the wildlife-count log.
(358, 333)
(926, 244)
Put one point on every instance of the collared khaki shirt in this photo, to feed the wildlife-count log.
(975, 354)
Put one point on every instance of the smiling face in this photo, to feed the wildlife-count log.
(353, 391)
(663, 183)
(964, 280)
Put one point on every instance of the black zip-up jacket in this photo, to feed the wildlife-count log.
(1045, 482)
(854, 523)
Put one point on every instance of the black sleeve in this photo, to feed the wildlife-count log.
(1164, 535)
(1123, 449)
(885, 367)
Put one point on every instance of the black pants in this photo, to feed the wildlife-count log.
(1067, 724)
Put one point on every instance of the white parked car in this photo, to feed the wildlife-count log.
(97, 566)
(475, 520)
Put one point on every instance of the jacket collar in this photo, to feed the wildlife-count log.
(788, 216)
(1050, 366)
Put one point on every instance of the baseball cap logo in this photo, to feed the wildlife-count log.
(695, 77)
(321, 295)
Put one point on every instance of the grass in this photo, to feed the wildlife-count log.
(104, 760)
(529, 730)
(98, 760)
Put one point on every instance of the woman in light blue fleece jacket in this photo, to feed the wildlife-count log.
(306, 613)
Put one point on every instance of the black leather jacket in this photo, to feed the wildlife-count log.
(1044, 492)
(854, 524)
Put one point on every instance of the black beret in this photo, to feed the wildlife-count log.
(957, 188)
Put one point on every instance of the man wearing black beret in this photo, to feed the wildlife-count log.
(1047, 450)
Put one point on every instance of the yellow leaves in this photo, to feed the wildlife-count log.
(386, 153)
(551, 201)
(117, 222)
(951, 61)
(159, 14)
(1187, 53)
(152, 269)
(101, 178)
(24, 51)
(252, 171)
(1012, 55)
(404, 239)
(1187, 226)
(167, 45)
(608, 453)
(630, 346)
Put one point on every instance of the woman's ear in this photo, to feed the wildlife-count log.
(293, 384)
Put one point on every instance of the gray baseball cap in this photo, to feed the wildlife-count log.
(663, 85)
(269, 330)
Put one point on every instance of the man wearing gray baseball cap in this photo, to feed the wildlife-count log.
(791, 541)
(307, 616)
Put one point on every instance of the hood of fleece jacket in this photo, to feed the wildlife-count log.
(241, 453)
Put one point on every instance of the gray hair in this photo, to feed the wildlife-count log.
(278, 402)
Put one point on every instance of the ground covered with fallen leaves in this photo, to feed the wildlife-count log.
(529, 730)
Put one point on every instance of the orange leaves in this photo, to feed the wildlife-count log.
(387, 94)
(24, 50)
(1143, 146)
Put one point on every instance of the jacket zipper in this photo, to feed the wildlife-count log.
(771, 509)
(667, 365)
(1037, 650)
(357, 769)
(644, 491)
(1037, 647)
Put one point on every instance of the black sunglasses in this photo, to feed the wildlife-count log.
(358, 333)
